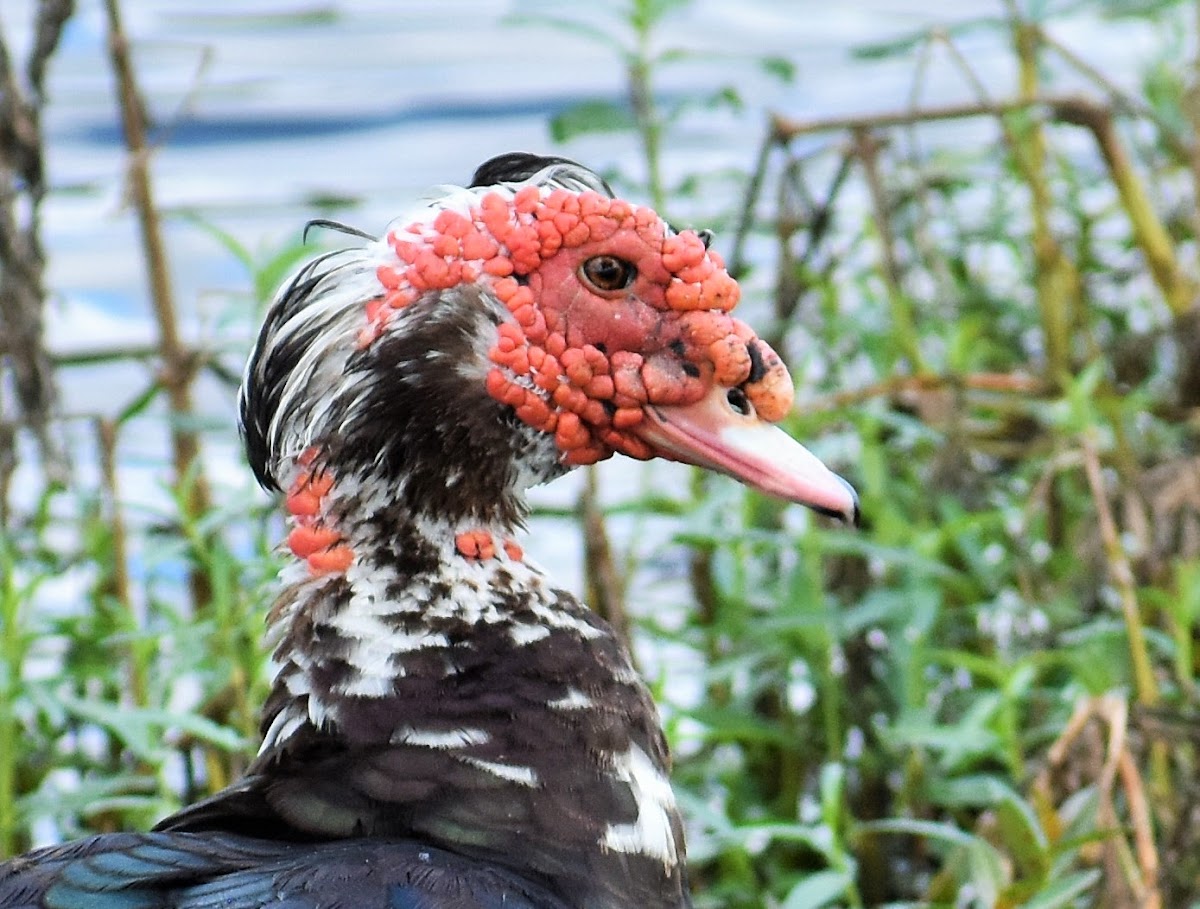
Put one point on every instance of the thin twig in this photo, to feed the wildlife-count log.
(785, 129)
(1136, 868)
(1143, 829)
(737, 265)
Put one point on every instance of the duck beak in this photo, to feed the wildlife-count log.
(713, 435)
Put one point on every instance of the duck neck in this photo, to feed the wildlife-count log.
(380, 525)
(380, 582)
(437, 685)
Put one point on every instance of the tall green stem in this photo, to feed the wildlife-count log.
(12, 658)
(640, 65)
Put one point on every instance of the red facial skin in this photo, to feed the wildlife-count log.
(577, 360)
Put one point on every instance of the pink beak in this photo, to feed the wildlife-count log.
(713, 435)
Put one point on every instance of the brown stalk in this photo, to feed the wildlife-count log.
(785, 129)
(1121, 574)
(1119, 862)
(1143, 829)
(1138, 869)
(1056, 278)
(1058, 286)
(1120, 99)
(178, 367)
(789, 275)
(797, 207)
(118, 584)
(1151, 235)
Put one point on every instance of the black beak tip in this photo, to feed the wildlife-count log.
(852, 515)
(856, 517)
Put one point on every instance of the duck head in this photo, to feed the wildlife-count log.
(507, 332)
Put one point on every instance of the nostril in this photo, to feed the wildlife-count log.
(739, 402)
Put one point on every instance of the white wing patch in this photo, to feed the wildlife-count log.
(651, 834)
(526, 776)
(455, 738)
(574, 699)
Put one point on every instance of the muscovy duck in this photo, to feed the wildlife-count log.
(446, 729)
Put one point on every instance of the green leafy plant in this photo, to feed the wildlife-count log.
(984, 697)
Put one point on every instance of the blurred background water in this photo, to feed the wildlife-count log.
(269, 112)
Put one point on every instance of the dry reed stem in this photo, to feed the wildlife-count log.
(796, 207)
(118, 587)
(1143, 829)
(178, 367)
(1121, 574)
(784, 129)
(1139, 868)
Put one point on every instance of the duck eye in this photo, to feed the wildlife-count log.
(607, 273)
